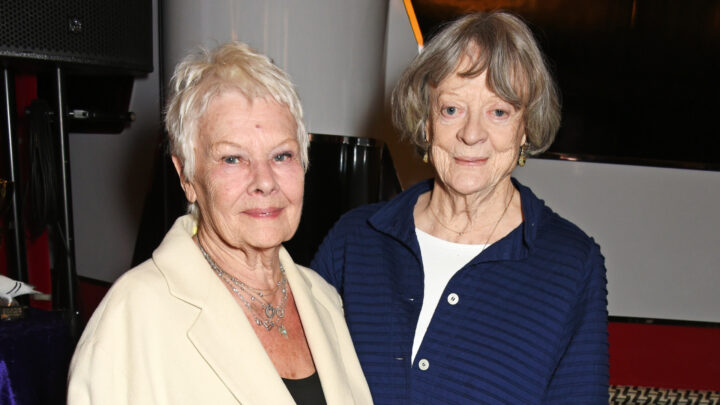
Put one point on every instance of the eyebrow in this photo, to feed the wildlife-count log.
(221, 144)
(290, 142)
(439, 96)
(215, 147)
(449, 92)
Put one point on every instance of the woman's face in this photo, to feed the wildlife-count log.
(475, 136)
(248, 180)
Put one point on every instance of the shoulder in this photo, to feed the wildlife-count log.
(545, 227)
(320, 286)
(557, 230)
(569, 255)
(140, 283)
(353, 225)
(555, 239)
(553, 224)
(366, 229)
(129, 299)
(358, 217)
(386, 214)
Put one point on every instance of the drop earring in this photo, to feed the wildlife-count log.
(523, 155)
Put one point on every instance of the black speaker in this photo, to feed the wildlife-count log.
(106, 33)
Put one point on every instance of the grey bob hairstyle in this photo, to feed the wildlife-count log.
(499, 43)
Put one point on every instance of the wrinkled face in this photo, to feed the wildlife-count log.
(475, 136)
(248, 180)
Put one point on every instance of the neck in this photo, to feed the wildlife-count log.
(480, 218)
(480, 209)
(259, 268)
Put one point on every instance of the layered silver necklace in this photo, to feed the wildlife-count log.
(252, 297)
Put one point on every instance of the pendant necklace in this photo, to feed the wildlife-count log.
(273, 315)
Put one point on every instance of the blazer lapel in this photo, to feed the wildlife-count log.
(315, 312)
(225, 339)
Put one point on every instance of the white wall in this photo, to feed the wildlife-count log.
(658, 229)
(333, 50)
(110, 176)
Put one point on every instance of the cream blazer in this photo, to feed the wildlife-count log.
(169, 332)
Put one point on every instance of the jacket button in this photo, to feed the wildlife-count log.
(423, 364)
(453, 299)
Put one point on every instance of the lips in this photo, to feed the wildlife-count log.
(263, 213)
(470, 161)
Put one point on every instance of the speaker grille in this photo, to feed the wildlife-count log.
(112, 33)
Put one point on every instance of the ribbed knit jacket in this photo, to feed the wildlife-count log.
(525, 322)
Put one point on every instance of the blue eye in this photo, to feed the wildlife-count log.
(450, 110)
(499, 113)
(231, 160)
(281, 157)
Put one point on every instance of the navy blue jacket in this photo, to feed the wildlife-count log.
(524, 322)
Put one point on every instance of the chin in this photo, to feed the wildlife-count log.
(268, 240)
(264, 244)
(467, 187)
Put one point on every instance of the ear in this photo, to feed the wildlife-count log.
(523, 139)
(187, 187)
(428, 125)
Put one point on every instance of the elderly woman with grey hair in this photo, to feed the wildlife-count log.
(221, 314)
(466, 288)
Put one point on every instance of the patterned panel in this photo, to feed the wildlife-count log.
(630, 395)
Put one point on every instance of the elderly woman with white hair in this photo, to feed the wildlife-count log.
(221, 314)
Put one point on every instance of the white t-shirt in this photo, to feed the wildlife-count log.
(441, 260)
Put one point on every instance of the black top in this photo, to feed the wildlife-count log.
(306, 391)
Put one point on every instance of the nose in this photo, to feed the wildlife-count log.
(263, 178)
(474, 129)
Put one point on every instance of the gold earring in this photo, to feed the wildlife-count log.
(426, 158)
(523, 155)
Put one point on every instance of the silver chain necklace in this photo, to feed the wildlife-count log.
(461, 233)
(255, 295)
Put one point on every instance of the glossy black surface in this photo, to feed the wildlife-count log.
(639, 79)
(344, 172)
